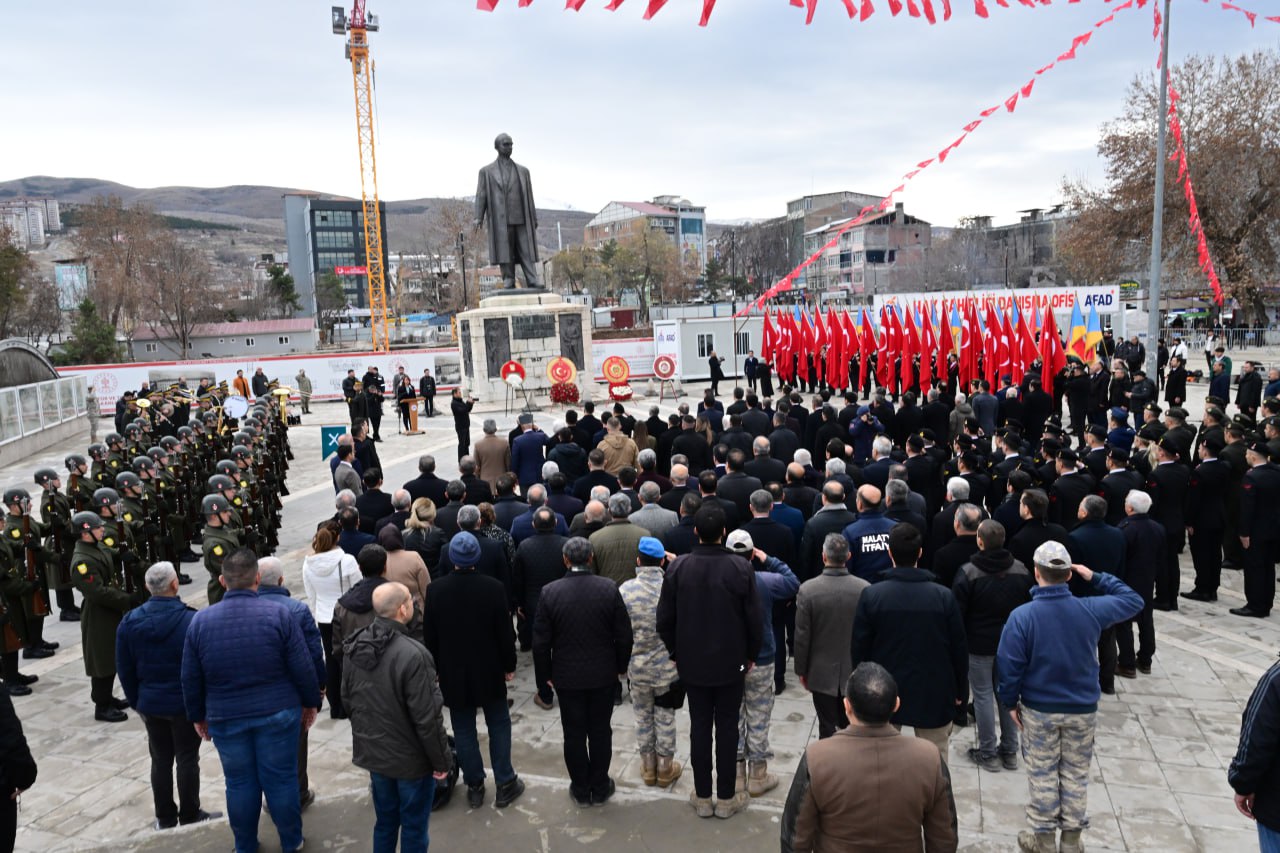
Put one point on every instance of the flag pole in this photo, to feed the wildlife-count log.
(1157, 214)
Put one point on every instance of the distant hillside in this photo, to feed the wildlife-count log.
(261, 209)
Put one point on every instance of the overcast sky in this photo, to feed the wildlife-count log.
(740, 116)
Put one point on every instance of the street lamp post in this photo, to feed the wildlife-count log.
(1157, 214)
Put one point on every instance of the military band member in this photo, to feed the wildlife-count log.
(105, 603)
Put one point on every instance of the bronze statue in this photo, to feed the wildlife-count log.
(506, 195)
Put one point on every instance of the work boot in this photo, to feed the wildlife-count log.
(649, 768)
(669, 771)
(740, 782)
(508, 792)
(726, 809)
(760, 781)
(701, 805)
(1037, 842)
(1070, 842)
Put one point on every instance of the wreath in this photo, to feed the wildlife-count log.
(564, 393)
(620, 393)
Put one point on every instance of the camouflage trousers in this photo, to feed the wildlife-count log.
(655, 727)
(757, 709)
(1057, 750)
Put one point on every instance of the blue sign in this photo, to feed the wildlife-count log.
(329, 436)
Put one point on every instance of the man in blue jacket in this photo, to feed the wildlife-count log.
(248, 684)
(271, 585)
(1049, 679)
(869, 537)
(149, 662)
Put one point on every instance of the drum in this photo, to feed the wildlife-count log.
(235, 407)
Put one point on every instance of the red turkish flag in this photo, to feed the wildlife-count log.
(820, 339)
(835, 352)
(1052, 356)
(928, 346)
(882, 349)
(1007, 350)
(767, 340)
(910, 349)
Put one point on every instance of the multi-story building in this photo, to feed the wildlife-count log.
(683, 222)
(808, 212)
(327, 235)
(1020, 254)
(866, 258)
(25, 221)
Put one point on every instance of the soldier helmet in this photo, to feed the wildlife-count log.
(106, 497)
(220, 483)
(183, 432)
(142, 463)
(239, 451)
(157, 453)
(83, 521)
(251, 430)
(16, 495)
(98, 451)
(113, 438)
(132, 430)
(45, 475)
(240, 437)
(126, 480)
(74, 460)
(168, 442)
(227, 468)
(213, 504)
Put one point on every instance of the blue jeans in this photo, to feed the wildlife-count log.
(1268, 840)
(986, 707)
(465, 740)
(260, 757)
(402, 808)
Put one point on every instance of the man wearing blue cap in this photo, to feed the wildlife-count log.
(1120, 434)
(467, 629)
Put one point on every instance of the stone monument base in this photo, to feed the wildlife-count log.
(527, 327)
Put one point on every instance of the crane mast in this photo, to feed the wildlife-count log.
(359, 25)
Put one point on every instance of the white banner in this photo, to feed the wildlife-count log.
(326, 371)
(1060, 300)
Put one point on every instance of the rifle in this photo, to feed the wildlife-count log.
(39, 604)
(170, 549)
(124, 563)
(64, 565)
(73, 489)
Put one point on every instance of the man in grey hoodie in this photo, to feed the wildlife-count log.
(397, 721)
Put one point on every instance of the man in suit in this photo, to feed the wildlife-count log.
(507, 505)
(754, 419)
(478, 490)
(1259, 531)
(374, 503)
(344, 475)
(797, 493)
(764, 467)
(1206, 519)
(596, 476)
(528, 452)
(783, 443)
(876, 472)
(736, 485)
(1167, 484)
(505, 194)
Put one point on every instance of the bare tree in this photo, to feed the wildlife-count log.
(177, 291)
(117, 240)
(1230, 114)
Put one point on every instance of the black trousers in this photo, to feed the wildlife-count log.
(1168, 576)
(174, 740)
(1107, 654)
(304, 782)
(831, 715)
(100, 688)
(464, 442)
(585, 716)
(718, 706)
(8, 824)
(1146, 639)
(332, 670)
(784, 625)
(404, 415)
(9, 667)
(429, 406)
(1206, 556)
(66, 601)
(375, 421)
(1260, 575)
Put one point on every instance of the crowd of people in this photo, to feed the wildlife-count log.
(964, 560)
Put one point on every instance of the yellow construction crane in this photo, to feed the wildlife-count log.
(359, 25)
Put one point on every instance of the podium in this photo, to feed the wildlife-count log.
(413, 422)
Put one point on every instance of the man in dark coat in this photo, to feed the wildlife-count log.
(427, 484)
(467, 629)
(537, 564)
(960, 550)
(461, 410)
(710, 620)
(913, 628)
(1072, 485)
(764, 466)
(1249, 390)
(736, 485)
(1119, 481)
(105, 603)
(693, 446)
(1259, 531)
(717, 372)
(1035, 530)
(582, 639)
(1207, 519)
(833, 517)
(1093, 542)
(755, 420)
(1167, 484)
(1144, 558)
(735, 436)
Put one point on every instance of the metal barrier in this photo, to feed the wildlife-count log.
(28, 409)
(1228, 338)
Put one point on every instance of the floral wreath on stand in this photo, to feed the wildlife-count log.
(616, 372)
(563, 375)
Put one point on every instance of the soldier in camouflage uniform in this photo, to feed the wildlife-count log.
(651, 670)
(1048, 666)
(774, 582)
(55, 512)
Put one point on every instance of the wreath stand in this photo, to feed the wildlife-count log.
(518, 395)
(663, 385)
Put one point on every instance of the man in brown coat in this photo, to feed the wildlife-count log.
(492, 455)
(619, 451)
(867, 788)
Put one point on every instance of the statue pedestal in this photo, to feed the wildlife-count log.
(529, 327)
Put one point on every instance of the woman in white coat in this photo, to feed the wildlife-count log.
(327, 573)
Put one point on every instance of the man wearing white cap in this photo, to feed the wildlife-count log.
(1048, 666)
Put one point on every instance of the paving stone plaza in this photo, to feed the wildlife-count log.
(1158, 782)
